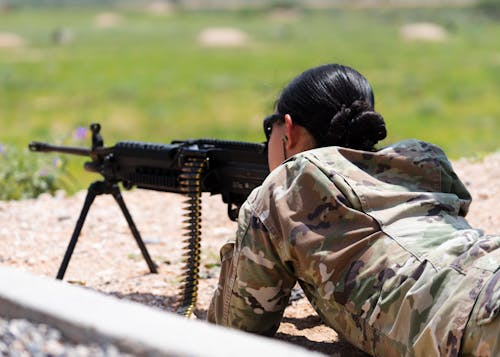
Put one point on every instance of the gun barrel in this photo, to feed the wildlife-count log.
(45, 147)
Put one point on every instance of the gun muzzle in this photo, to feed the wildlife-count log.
(37, 146)
(44, 147)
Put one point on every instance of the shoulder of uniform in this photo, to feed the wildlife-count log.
(281, 180)
(415, 148)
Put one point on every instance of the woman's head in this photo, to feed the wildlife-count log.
(335, 103)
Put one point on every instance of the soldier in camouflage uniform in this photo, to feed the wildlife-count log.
(376, 239)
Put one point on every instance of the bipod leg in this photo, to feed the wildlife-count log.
(119, 199)
(92, 192)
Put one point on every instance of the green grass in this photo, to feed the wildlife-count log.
(148, 79)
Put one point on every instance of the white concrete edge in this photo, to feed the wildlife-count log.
(85, 316)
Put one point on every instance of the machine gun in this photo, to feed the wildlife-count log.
(229, 168)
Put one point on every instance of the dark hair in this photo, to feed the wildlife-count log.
(335, 104)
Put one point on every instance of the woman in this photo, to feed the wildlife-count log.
(376, 239)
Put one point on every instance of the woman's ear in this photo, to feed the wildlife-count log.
(297, 138)
(290, 137)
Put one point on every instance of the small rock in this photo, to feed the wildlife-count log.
(152, 240)
(483, 194)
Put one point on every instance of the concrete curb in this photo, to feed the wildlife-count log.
(87, 316)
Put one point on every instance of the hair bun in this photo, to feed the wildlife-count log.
(366, 130)
(357, 127)
(339, 126)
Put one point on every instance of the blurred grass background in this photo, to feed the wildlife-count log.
(146, 77)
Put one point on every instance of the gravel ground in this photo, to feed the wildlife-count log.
(34, 235)
(22, 338)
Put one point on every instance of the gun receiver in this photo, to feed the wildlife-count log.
(229, 168)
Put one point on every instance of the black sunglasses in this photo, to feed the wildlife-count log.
(269, 122)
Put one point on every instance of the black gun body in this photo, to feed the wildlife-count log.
(229, 168)
(235, 172)
(144, 165)
(233, 169)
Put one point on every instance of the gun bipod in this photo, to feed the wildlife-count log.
(95, 189)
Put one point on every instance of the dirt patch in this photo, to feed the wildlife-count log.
(35, 234)
(223, 37)
(482, 180)
(284, 15)
(10, 40)
(107, 20)
(423, 32)
(160, 8)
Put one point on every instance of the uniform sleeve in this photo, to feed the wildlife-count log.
(254, 285)
(450, 182)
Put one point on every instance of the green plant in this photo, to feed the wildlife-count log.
(489, 7)
(24, 175)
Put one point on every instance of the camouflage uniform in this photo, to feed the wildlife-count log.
(378, 243)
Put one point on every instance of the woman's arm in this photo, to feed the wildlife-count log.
(254, 285)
